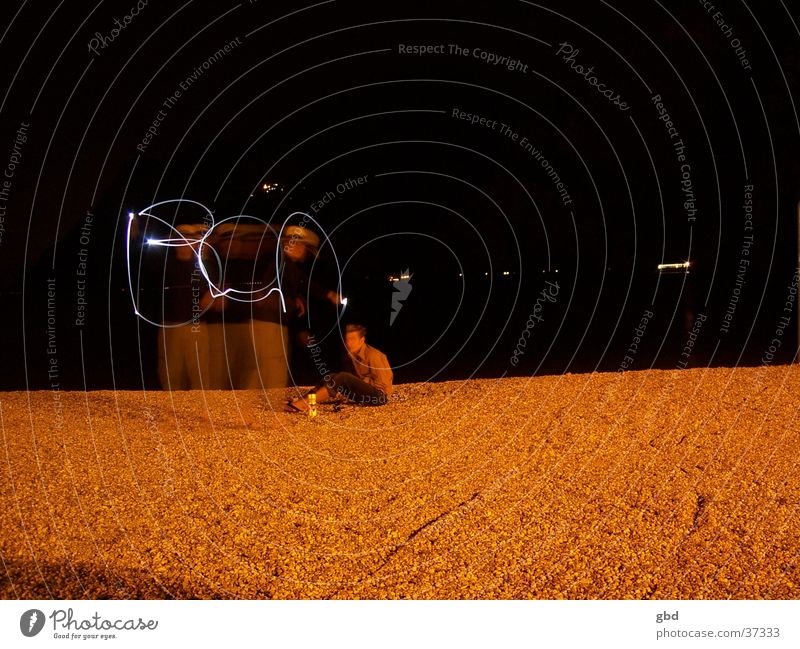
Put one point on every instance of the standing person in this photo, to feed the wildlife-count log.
(251, 340)
(225, 317)
(300, 247)
(183, 361)
(370, 385)
(269, 329)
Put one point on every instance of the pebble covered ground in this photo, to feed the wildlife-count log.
(655, 484)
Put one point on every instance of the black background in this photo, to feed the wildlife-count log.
(316, 94)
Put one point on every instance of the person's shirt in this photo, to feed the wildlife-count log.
(183, 285)
(372, 367)
(251, 271)
(270, 309)
(314, 294)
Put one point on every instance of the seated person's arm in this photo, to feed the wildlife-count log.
(380, 374)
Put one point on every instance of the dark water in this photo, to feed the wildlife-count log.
(448, 328)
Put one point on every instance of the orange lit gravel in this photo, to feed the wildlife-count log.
(660, 484)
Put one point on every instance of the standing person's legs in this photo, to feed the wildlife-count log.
(217, 368)
(270, 343)
(171, 371)
(240, 358)
(163, 361)
(196, 356)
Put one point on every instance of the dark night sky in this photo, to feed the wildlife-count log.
(315, 95)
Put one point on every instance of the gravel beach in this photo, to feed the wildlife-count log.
(653, 484)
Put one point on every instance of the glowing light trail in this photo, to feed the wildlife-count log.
(197, 247)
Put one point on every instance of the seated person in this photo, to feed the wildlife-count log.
(370, 385)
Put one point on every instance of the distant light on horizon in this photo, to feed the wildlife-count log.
(403, 276)
(685, 266)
